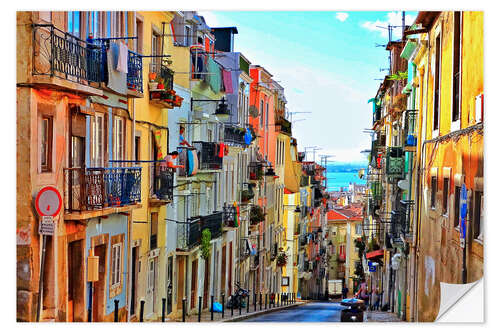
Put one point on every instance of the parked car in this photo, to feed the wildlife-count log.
(355, 311)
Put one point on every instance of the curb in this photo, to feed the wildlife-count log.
(258, 313)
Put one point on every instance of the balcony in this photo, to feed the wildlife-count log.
(88, 189)
(257, 215)
(395, 162)
(208, 155)
(161, 93)
(213, 222)
(377, 112)
(161, 187)
(248, 193)
(59, 55)
(188, 234)
(255, 171)
(234, 135)
(283, 126)
(376, 190)
(230, 216)
(134, 74)
(184, 160)
(410, 131)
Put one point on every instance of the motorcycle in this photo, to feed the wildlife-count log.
(237, 300)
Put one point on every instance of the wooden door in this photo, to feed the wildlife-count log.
(98, 298)
(133, 287)
(194, 280)
(180, 281)
(230, 274)
(170, 283)
(206, 284)
(223, 271)
(76, 299)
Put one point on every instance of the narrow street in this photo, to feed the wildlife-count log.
(311, 312)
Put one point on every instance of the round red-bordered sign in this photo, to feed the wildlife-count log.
(48, 201)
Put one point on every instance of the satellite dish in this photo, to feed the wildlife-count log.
(404, 184)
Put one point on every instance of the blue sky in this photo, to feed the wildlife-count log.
(327, 62)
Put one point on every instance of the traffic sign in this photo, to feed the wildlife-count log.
(46, 226)
(463, 215)
(48, 201)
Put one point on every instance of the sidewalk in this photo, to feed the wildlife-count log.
(381, 316)
(206, 315)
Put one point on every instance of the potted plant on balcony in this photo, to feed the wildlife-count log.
(152, 76)
(161, 83)
(281, 260)
(257, 214)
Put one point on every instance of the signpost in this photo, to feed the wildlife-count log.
(48, 204)
(463, 230)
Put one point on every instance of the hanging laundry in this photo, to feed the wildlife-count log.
(221, 149)
(122, 64)
(228, 82)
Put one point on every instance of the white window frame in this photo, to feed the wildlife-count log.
(116, 264)
(455, 125)
(435, 132)
(119, 138)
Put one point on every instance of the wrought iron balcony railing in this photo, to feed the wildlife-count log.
(209, 157)
(134, 72)
(255, 171)
(230, 216)
(161, 184)
(409, 128)
(188, 234)
(234, 135)
(97, 188)
(395, 162)
(58, 53)
(284, 126)
(213, 222)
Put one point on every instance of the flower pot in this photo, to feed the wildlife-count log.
(152, 76)
(153, 85)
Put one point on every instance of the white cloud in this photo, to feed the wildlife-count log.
(210, 18)
(393, 19)
(341, 16)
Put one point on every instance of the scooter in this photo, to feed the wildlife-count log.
(237, 300)
(354, 312)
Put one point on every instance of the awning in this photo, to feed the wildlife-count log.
(375, 254)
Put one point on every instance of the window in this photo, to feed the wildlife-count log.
(97, 140)
(261, 113)
(446, 189)
(156, 50)
(267, 115)
(137, 152)
(477, 222)
(154, 231)
(359, 229)
(119, 139)
(433, 191)
(456, 218)
(457, 53)
(46, 144)
(74, 23)
(116, 263)
(140, 31)
(187, 36)
(437, 82)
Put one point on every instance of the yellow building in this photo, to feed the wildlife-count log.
(449, 96)
(148, 253)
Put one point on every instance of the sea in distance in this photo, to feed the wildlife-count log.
(342, 174)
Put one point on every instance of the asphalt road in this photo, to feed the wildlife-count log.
(310, 312)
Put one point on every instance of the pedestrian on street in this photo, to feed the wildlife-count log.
(345, 290)
(376, 299)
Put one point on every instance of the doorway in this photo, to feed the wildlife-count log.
(223, 271)
(206, 283)
(180, 279)
(194, 280)
(151, 290)
(170, 283)
(99, 297)
(76, 298)
(133, 287)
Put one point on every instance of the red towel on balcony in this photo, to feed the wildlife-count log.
(228, 82)
(221, 149)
